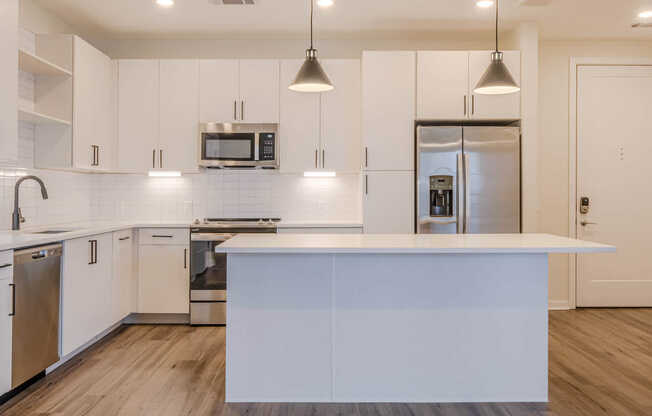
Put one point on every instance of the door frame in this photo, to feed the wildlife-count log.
(573, 142)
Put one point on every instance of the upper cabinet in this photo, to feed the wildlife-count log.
(321, 131)
(8, 82)
(158, 114)
(388, 110)
(239, 91)
(94, 136)
(445, 83)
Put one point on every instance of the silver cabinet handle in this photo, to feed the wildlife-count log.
(316, 158)
(97, 159)
(585, 223)
(124, 238)
(472, 104)
(4, 266)
(467, 193)
(366, 157)
(465, 101)
(242, 117)
(13, 299)
(161, 236)
(323, 158)
(366, 184)
(160, 158)
(185, 258)
(93, 244)
(460, 195)
(154, 159)
(235, 109)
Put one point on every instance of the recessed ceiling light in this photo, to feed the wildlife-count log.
(165, 3)
(325, 3)
(484, 3)
(646, 14)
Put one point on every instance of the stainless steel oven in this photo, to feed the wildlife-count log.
(208, 270)
(229, 145)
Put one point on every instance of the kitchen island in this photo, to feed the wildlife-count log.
(390, 318)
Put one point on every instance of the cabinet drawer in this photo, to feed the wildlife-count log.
(164, 236)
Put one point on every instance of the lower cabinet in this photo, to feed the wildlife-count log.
(163, 272)
(86, 290)
(124, 284)
(6, 308)
(388, 202)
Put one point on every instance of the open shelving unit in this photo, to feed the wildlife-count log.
(38, 118)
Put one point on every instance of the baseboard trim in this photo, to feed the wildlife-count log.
(559, 305)
(157, 319)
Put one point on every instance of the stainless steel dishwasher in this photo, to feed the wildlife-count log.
(37, 277)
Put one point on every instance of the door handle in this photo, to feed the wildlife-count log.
(185, 258)
(467, 193)
(585, 223)
(97, 158)
(465, 104)
(323, 159)
(366, 157)
(93, 259)
(154, 159)
(366, 184)
(242, 117)
(160, 158)
(13, 299)
(235, 109)
(316, 158)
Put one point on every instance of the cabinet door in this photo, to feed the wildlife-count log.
(389, 203)
(138, 120)
(341, 117)
(219, 91)
(5, 330)
(163, 279)
(487, 107)
(299, 126)
(179, 109)
(86, 290)
(259, 91)
(442, 85)
(124, 287)
(388, 110)
(8, 82)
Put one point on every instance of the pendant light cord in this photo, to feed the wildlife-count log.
(496, 25)
(312, 5)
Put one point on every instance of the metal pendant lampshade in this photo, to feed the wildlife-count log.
(311, 76)
(497, 79)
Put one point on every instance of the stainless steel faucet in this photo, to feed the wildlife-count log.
(17, 217)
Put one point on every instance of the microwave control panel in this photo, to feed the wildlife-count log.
(267, 147)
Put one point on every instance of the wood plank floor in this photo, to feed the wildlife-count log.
(600, 364)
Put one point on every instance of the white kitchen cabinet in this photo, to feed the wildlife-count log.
(321, 131)
(179, 114)
(6, 279)
(244, 91)
(163, 271)
(219, 90)
(300, 123)
(389, 202)
(486, 107)
(259, 91)
(86, 290)
(9, 82)
(138, 114)
(94, 138)
(341, 116)
(124, 284)
(443, 85)
(388, 110)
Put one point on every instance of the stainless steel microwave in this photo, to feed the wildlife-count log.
(232, 145)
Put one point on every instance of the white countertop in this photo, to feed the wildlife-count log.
(319, 224)
(407, 244)
(10, 240)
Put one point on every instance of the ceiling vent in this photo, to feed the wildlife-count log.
(232, 2)
(534, 2)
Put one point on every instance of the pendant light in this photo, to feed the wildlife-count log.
(311, 76)
(497, 79)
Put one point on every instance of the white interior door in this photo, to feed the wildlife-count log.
(614, 171)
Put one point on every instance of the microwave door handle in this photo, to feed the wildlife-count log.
(459, 195)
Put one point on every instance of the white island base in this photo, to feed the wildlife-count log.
(375, 324)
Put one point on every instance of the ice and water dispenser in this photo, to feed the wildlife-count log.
(441, 196)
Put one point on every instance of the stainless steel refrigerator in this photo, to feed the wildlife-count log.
(468, 180)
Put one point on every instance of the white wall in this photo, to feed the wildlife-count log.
(37, 20)
(554, 139)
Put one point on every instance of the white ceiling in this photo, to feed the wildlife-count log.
(562, 19)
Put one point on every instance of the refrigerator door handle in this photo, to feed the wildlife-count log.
(467, 194)
(460, 195)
